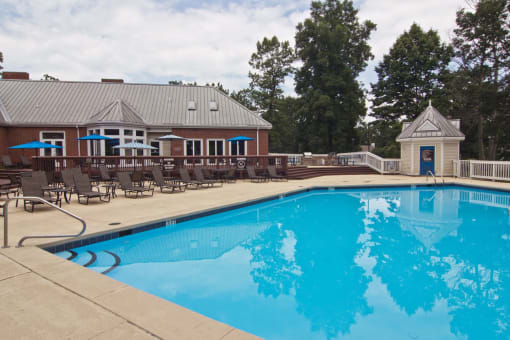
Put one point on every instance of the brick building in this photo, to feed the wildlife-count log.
(59, 112)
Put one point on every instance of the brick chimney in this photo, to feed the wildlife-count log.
(107, 80)
(15, 75)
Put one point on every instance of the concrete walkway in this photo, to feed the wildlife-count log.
(44, 296)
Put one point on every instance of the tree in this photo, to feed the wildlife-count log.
(270, 65)
(244, 97)
(332, 45)
(482, 48)
(1, 60)
(413, 72)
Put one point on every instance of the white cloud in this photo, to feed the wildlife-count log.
(157, 41)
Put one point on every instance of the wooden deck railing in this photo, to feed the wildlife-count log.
(123, 163)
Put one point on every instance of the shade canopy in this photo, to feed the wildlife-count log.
(94, 137)
(171, 137)
(134, 145)
(35, 145)
(239, 138)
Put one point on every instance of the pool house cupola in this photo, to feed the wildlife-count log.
(430, 143)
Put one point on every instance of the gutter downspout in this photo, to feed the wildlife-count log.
(79, 142)
(257, 142)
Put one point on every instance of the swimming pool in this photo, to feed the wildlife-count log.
(356, 263)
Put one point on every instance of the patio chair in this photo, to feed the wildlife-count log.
(162, 183)
(27, 163)
(273, 175)
(12, 188)
(83, 189)
(230, 176)
(199, 175)
(127, 186)
(186, 179)
(68, 179)
(105, 175)
(7, 162)
(253, 175)
(33, 187)
(138, 178)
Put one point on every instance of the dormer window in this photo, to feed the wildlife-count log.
(192, 105)
(213, 105)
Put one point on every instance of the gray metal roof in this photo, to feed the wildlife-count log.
(117, 112)
(430, 123)
(77, 103)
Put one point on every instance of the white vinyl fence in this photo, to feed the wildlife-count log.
(492, 170)
(379, 164)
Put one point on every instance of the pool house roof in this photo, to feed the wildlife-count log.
(35, 102)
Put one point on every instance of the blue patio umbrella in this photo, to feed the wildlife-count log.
(35, 145)
(239, 138)
(94, 137)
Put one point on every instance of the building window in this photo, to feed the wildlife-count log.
(128, 132)
(140, 133)
(111, 132)
(193, 147)
(109, 147)
(139, 152)
(215, 147)
(238, 148)
(155, 144)
(94, 145)
(55, 138)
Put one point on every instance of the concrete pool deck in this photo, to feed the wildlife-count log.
(45, 296)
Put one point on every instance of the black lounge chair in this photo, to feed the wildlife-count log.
(33, 187)
(27, 163)
(68, 179)
(273, 176)
(253, 175)
(230, 176)
(83, 189)
(186, 179)
(105, 176)
(199, 175)
(127, 185)
(162, 183)
(7, 162)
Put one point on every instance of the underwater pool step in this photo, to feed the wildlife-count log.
(73, 255)
(115, 265)
(93, 258)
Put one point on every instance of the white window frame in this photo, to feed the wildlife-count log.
(121, 137)
(201, 147)
(159, 147)
(51, 140)
(245, 148)
(216, 146)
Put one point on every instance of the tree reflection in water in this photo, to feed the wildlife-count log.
(427, 246)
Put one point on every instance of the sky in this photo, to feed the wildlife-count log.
(154, 41)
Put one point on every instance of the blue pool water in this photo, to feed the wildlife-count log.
(379, 263)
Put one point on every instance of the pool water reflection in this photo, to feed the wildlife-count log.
(380, 263)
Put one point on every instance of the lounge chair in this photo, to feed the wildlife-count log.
(162, 183)
(127, 185)
(27, 163)
(105, 175)
(230, 176)
(253, 175)
(138, 178)
(7, 162)
(273, 176)
(33, 187)
(83, 189)
(186, 179)
(199, 175)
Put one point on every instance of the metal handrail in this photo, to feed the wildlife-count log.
(38, 199)
(431, 174)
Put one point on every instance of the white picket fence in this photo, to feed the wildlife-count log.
(492, 170)
(379, 164)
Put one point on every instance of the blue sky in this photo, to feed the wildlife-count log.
(191, 40)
